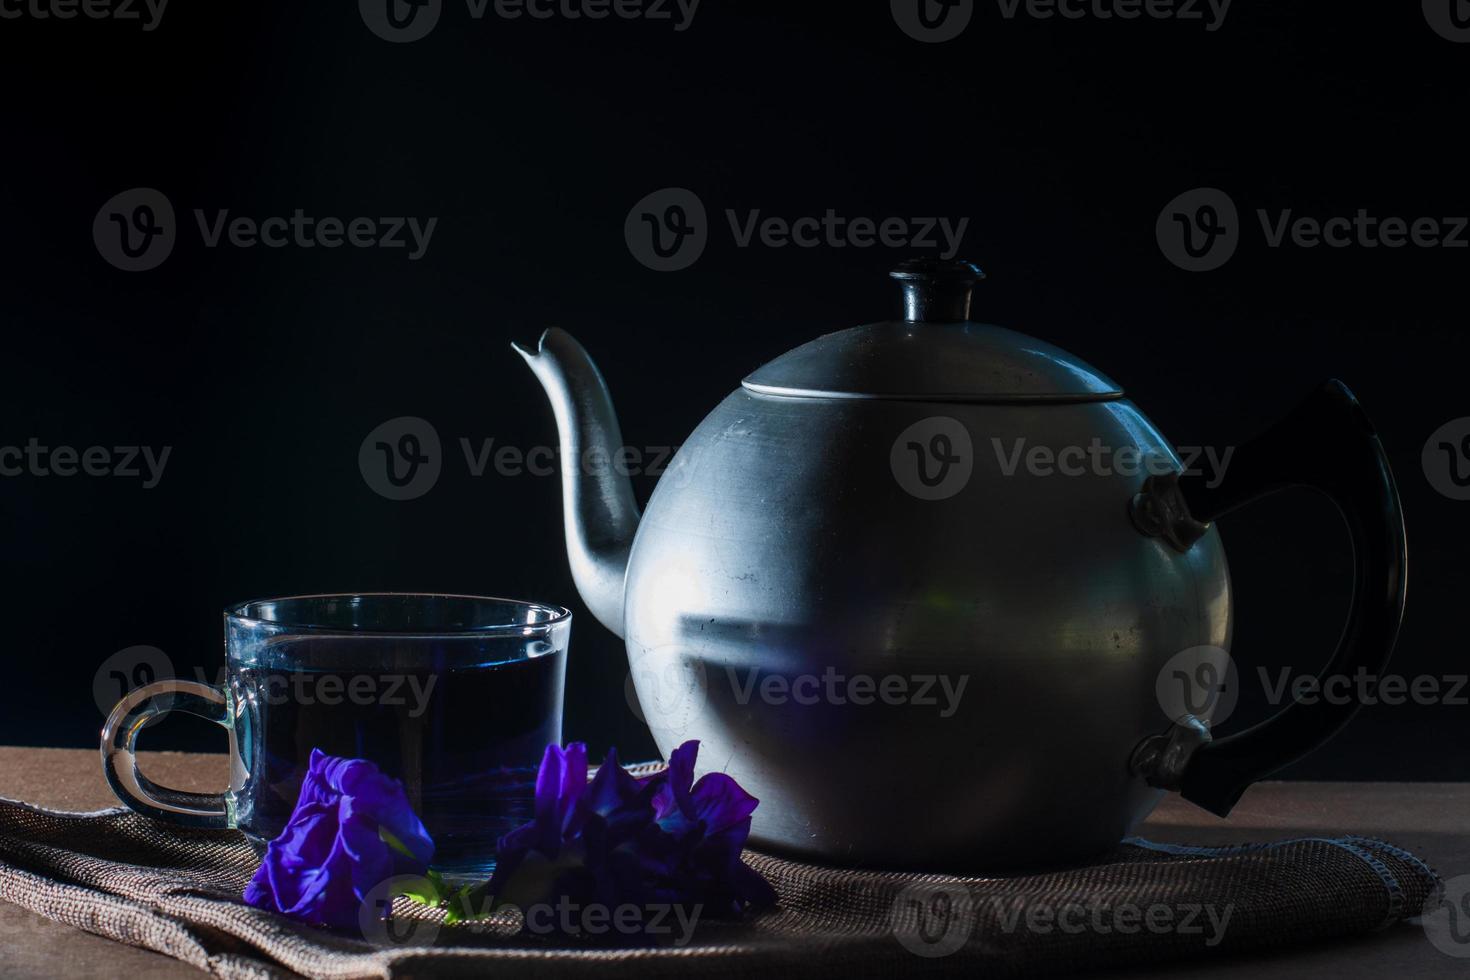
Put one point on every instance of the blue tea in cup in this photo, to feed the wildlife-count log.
(455, 696)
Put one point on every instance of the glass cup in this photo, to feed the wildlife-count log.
(455, 696)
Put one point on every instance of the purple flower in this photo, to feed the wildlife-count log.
(711, 820)
(619, 840)
(352, 829)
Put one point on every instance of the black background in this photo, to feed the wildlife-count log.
(1060, 140)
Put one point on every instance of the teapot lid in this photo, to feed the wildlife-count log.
(935, 353)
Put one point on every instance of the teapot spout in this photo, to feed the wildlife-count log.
(600, 514)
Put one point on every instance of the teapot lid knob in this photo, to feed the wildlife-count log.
(936, 290)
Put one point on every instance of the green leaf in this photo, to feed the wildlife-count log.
(460, 904)
(388, 837)
(461, 907)
(428, 890)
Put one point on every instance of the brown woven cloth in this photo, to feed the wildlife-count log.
(177, 891)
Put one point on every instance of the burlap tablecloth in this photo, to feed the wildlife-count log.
(177, 891)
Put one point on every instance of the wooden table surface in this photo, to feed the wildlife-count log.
(1430, 819)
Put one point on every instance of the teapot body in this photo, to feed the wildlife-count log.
(923, 634)
(942, 598)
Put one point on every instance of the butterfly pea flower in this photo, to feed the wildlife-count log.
(710, 820)
(619, 840)
(352, 829)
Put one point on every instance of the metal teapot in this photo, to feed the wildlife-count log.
(860, 586)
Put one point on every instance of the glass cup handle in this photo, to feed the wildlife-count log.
(120, 763)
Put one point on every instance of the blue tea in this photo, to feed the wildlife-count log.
(455, 696)
(466, 743)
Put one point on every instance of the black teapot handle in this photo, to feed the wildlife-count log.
(1326, 443)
